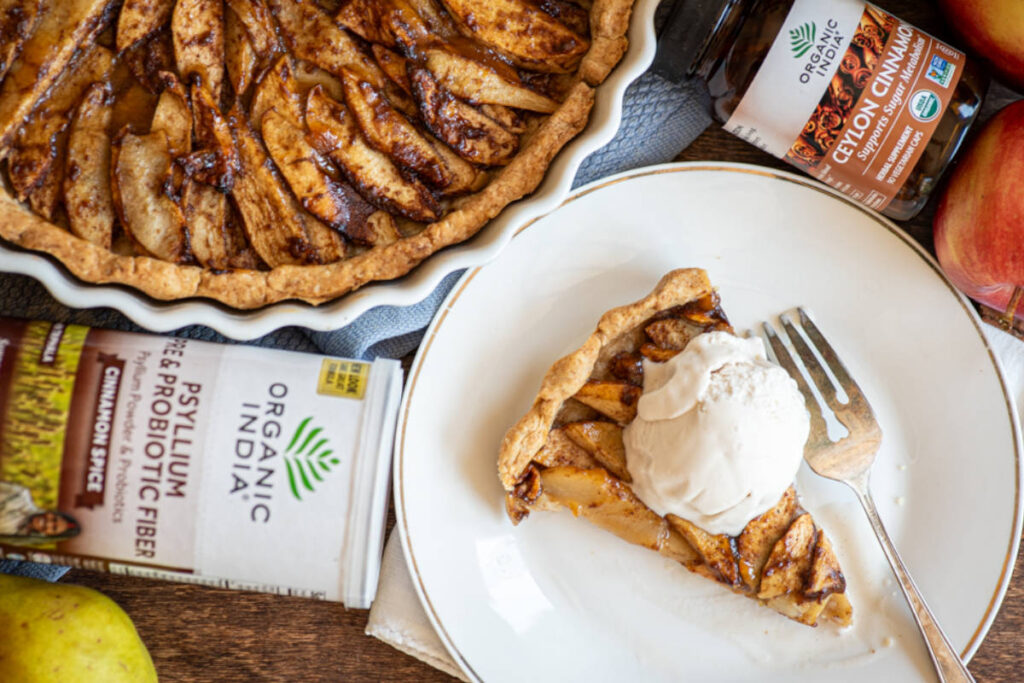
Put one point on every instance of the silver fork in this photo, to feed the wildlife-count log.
(849, 460)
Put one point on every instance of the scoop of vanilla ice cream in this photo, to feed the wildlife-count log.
(719, 433)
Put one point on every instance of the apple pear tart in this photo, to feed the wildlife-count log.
(251, 151)
(568, 452)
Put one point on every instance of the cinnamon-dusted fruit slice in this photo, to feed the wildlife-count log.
(567, 452)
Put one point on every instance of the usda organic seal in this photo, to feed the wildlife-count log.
(925, 105)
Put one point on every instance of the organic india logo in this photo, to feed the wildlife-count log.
(802, 39)
(307, 459)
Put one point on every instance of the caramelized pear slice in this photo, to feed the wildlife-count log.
(197, 27)
(18, 20)
(603, 440)
(521, 31)
(480, 84)
(139, 19)
(142, 166)
(466, 130)
(334, 133)
(616, 400)
(44, 57)
(87, 198)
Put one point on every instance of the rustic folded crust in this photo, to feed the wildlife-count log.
(568, 452)
(570, 373)
(314, 284)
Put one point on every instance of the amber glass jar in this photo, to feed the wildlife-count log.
(839, 88)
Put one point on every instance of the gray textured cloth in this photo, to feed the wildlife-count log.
(659, 119)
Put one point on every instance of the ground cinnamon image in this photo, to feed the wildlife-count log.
(855, 69)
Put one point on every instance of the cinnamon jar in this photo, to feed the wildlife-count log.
(841, 89)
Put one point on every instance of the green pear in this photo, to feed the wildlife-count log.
(61, 632)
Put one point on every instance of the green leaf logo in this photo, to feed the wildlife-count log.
(802, 39)
(308, 459)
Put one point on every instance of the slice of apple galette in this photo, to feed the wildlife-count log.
(251, 151)
(673, 433)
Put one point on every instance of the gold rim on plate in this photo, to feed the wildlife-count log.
(401, 521)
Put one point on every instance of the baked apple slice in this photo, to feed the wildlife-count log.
(18, 20)
(272, 219)
(206, 212)
(474, 82)
(215, 161)
(259, 25)
(197, 27)
(394, 65)
(139, 19)
(311, 35)
(150, 216)
(308, 76)
(302, 169)
(521, 31)
(35, 150)
(602, 440)
(173, 116)
(391, 133)
(240, 58)
(279, 91)
(616, 400)
(87, 179)
(334, 132)
(466, 130)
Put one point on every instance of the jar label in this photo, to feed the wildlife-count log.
(850, 95)
(232, 466)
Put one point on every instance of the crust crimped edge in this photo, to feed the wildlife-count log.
(569, 373)
(250, 289)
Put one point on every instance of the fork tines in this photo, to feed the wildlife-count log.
(855, 402)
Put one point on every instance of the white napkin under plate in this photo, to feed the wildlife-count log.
(398, 619)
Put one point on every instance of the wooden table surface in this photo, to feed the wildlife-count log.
(204, 634)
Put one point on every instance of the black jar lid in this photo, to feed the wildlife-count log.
(685, 34)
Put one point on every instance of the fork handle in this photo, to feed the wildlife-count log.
(947, 662)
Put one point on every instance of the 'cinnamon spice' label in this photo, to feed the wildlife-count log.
(851, 95)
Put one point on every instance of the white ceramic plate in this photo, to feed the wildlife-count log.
(162, 317)
(558, 599)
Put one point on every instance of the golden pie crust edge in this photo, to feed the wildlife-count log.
(249, 289)
(571, 372)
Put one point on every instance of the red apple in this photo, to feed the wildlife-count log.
(979, 227)
(994, 30)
